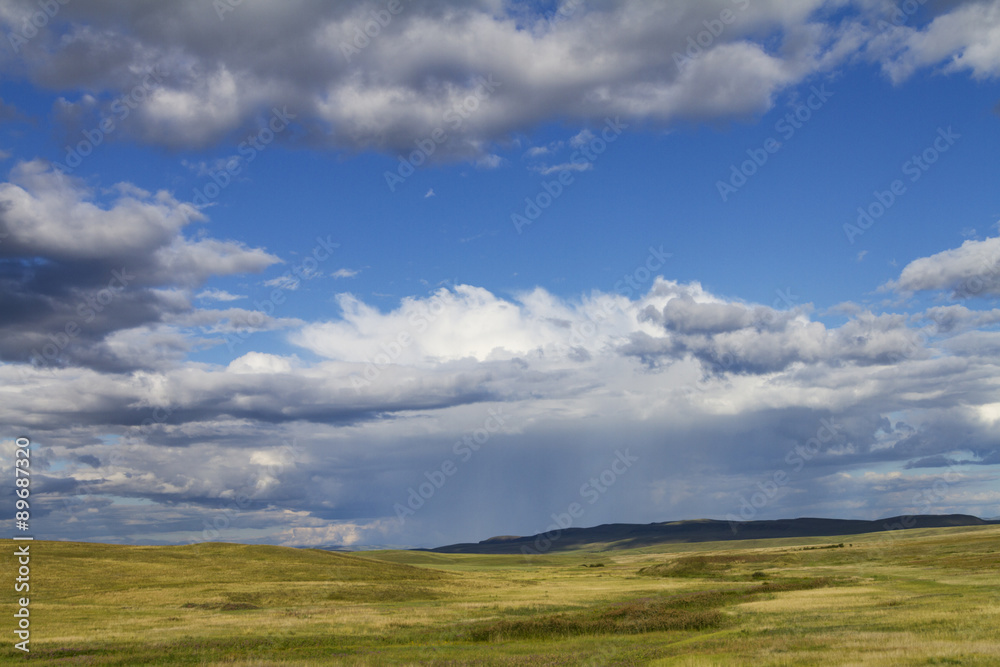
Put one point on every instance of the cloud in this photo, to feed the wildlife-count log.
(565, 166)
(751, 339)
(538, 151)
(490, 161)
(345, 273)
(513, 69)
(286, 282)
(257, 362)
(712, 394)
(966, 38)
(466, 322)
(85, 281)
(971, 270)
(582, 138)
(345, 533)
(218, 295)
(957, 319)
(698, 387)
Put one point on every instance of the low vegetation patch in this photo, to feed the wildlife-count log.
(706, 565)
(691, 611)
(384, 593)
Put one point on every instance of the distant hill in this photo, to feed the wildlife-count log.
(632, 535)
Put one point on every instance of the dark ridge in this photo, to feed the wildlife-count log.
(632, 535)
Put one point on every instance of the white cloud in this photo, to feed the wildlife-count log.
(54, 215)
(342, 533)
(536, 151)
(967, 38)
(467, 322)
(601, 60)
(565, 166)
(285, 282)
(700, 388)
(257, 362)
(345, 273)
(582, 138)
(490, 161)
(972, 269)
(218, 295)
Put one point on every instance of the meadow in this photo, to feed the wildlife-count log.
(916, 597)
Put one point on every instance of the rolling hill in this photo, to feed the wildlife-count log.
(630, 535)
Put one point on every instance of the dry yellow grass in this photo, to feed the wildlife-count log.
(920, 597)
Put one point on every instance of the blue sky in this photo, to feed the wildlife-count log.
(209, 375)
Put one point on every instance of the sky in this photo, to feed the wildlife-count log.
(417, 272)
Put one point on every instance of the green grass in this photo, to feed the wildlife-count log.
(920, 597)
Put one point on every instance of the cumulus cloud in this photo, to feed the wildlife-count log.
(85, 280)
(971, 270)
(484, 70)
(729, 390)
(465, 322)
(966, 38)
(345, 273)
(218, 295)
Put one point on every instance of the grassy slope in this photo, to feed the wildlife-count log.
(926, 596)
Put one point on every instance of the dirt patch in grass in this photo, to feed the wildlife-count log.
(221, 606)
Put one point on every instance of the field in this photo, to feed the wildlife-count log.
(918, 597)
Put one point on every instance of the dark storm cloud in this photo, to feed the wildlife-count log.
(75, 271)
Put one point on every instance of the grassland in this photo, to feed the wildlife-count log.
(918, 597)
